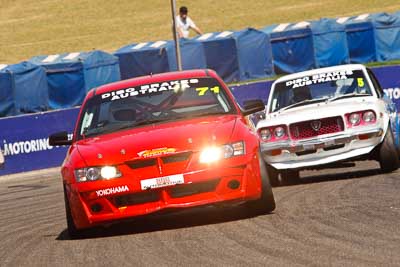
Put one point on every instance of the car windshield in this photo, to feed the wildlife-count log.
(152, 103)
(320, 87)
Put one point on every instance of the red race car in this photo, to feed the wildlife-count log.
(173, 140)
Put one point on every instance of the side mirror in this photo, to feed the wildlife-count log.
(252, 106)
(60, 139)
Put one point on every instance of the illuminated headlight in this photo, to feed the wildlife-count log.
(97, 173)
(369, 116)
(279, 132)
(210, 154)
(265, 134)
(354, 119)
(213, 154)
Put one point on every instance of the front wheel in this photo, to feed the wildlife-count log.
(73, 232)
(266, 203)
(388, 156)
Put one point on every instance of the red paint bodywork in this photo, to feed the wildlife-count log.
(204, 183)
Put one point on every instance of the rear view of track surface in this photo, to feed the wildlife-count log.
(345, 216)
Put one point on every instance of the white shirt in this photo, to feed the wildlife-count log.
(1, 158)
(184, 26)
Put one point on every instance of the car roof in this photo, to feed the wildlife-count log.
(156, 78)
(320, 70)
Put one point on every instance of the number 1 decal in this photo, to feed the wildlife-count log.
(215, 89)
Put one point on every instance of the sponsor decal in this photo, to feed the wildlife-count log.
(162, 181)
(27, 146)
(112, 190)
(156, 152)
(393, 93)
(319, 78)
(149, 89)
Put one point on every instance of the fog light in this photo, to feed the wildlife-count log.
(96, 207)
(233, 184)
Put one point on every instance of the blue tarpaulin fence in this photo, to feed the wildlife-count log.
(387, 36)
(156, 57)
(360, 39)
(330, 43)
(23, 89)
(238, 55)
(71, 75)
(292, 47)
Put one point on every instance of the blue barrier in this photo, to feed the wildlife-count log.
(389, 78)
(24, 139)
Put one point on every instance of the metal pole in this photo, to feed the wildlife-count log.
(176, 37)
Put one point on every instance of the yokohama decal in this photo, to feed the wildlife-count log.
(112, 190)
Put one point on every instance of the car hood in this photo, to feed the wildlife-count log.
(318, 110)
(157, 139)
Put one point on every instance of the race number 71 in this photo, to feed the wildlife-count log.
(203, 90)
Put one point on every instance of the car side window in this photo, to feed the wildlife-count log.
(376, 84)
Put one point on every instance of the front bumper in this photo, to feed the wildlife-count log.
(321, 150)
(234, 184)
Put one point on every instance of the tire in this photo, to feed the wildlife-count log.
(73, 232)
(290, 177)
(273, 175)
(388, 156)
(266, 203)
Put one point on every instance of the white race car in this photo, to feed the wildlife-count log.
(324, 116)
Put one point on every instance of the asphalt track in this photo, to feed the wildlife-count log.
(340, 217)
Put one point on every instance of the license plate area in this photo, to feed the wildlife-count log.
(162, 181)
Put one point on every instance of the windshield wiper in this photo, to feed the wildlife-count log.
(140, 123)
(102, 130)
(348, 95)
(304, 102)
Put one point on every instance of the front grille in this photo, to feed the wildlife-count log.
(304, 129)
(176, 157)
(136, 198)
(143, 163)
(192, 189)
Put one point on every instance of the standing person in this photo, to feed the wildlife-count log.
(184, 23)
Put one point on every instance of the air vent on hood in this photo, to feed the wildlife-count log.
(141, 163)
(176, 157)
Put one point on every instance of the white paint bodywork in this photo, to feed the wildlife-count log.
(353, 145)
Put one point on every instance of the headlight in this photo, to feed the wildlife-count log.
(210, 154)
(354, 119)
(369, 116)
(279, 132)
(213, 154)
(265, 134)
(97, 173)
